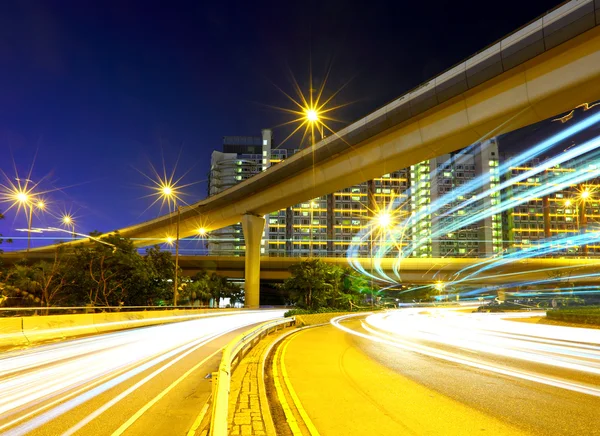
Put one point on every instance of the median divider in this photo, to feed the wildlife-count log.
(26, 330)
(232, 355)
(44, 328)
(11, 332)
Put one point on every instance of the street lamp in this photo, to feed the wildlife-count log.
(168, 193)
(312, 115)
(26, 200)
(68, 221)
(381, 222)
(313, 118)
(583, 196)
(439, 286)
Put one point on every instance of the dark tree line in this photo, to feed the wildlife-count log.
(315, 284)
(108, 272)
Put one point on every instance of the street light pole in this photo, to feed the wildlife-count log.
(29, 226)
(176, 257)
(372, 281)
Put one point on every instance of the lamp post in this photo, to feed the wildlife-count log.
(440, 286)
(580, 213)
(24, 199)
(175, 290)
(168, 193)
(41, 205)
(381, 222)
(67, 220)
(311, 116)
(583, 196)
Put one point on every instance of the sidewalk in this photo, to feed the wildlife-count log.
(248, 406)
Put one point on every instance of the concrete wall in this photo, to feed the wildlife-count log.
(22, 331)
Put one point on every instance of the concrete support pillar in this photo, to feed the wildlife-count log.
(252, 227)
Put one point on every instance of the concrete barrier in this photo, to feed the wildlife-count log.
(50, 327)
(317, 318)
(21, 331)
(112, 321)
(11, 333)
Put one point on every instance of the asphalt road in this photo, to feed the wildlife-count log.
(146, 381)
(441, 372)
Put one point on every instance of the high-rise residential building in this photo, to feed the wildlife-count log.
(328, 225)
(554, 216)
(438, 186)
(242, 157)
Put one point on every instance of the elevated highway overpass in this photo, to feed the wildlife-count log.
(411, 270)
(543, 69)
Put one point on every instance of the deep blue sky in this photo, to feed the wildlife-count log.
(100, 88)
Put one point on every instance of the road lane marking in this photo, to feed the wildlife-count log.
(76, 392)
(200, 417)
(307, 421)
(156, 399)
(289, 416)
(86, 396)
(146, 379)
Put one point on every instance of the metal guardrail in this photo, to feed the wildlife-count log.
(232, 355)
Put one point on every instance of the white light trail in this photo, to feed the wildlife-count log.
(31, 378)
(487, 334)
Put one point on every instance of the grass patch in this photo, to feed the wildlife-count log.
(580, 315)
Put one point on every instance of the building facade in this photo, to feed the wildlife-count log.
(563, 213)
(329, 225)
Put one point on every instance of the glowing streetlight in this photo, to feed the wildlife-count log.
(312, 115)
(170, 195)
(68, 221)
(26, 200)
(167, 191)
(23, 197)
(584, 195)
(383, 220)
(439, 286)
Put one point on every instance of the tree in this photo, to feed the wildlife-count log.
(316, 284)
(51, 280)
(23, 282)
(104, 275)
(235, 294)
(2, 240)
(1, 218)
(200, 288)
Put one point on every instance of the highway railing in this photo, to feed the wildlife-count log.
(232, 355)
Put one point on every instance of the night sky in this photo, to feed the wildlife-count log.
(100, 89)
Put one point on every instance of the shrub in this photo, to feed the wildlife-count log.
(294, 312)
(582, 315)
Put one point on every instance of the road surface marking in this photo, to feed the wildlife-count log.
(289, 416)
(309, 424)
(199, 419)
(146, 379)
(156, 399)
